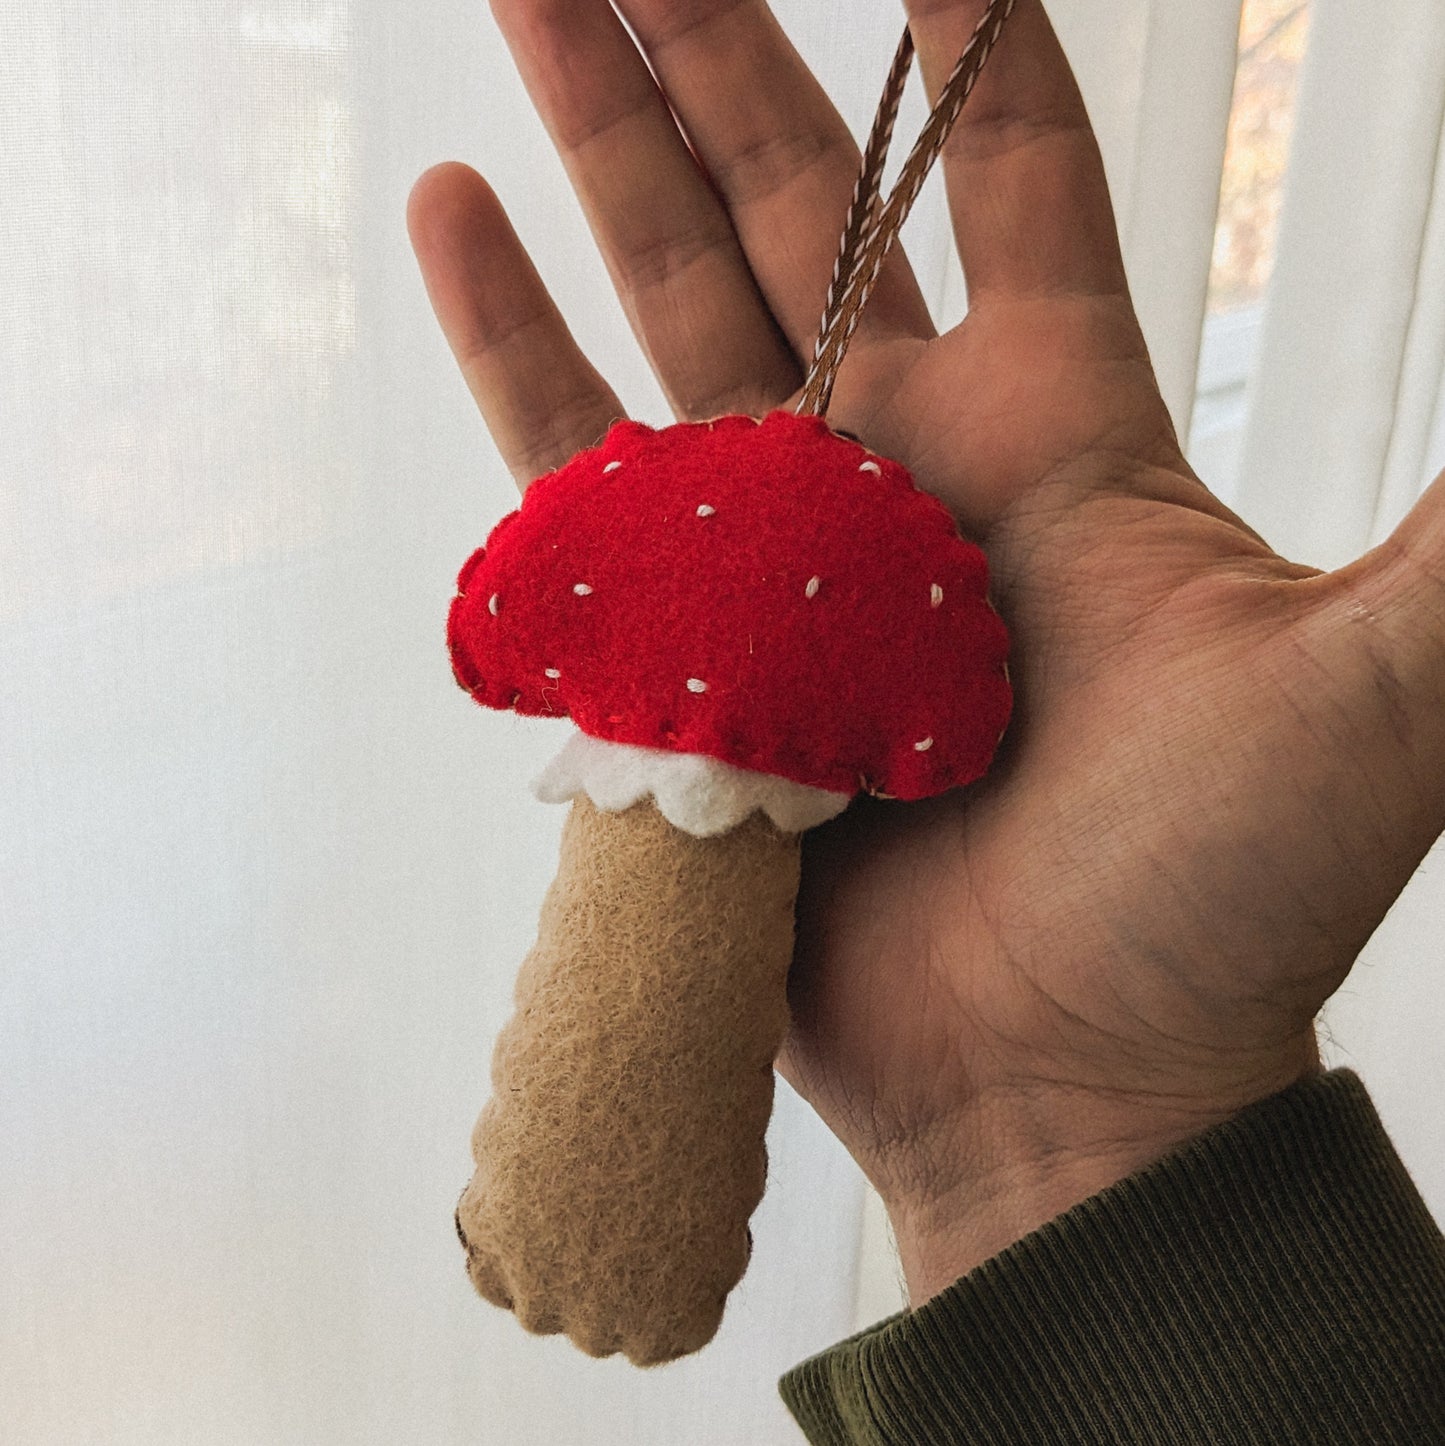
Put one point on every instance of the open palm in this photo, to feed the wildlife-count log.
(1223, 767)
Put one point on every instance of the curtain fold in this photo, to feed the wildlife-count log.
(1416, 450)
(1341, 422)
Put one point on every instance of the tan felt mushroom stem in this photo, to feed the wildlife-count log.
(622, 1151)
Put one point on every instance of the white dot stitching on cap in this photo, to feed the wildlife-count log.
(872, 467)
(492, 604)
(705, 510)
(923, 745)
(935, 595)
(552, 672)
(612, 467)
(696, 685)
(581, 589)
(814, 583)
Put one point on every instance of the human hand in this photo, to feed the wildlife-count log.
(1223, 767)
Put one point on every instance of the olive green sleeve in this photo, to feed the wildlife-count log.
(1278, 1280)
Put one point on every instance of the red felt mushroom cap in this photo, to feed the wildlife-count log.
(769, 594)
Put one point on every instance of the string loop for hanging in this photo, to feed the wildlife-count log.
(869, 232)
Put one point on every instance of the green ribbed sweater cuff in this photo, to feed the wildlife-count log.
(1278, 1280)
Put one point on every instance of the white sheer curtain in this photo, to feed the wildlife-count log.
(265, 873)
(1346, 428)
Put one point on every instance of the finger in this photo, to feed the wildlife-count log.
(777, 152)
(1027, 193)
(541, 398)
(667, 242)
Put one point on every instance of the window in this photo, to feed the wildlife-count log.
(1272, 41)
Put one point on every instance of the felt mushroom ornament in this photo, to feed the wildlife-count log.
(749, 622)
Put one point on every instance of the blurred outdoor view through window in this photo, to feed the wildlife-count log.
(1273, 36)
(1271, 47)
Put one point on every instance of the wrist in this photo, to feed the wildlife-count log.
(1030, 1155)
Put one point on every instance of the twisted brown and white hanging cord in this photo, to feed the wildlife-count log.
(868, 237)
(867, 191)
